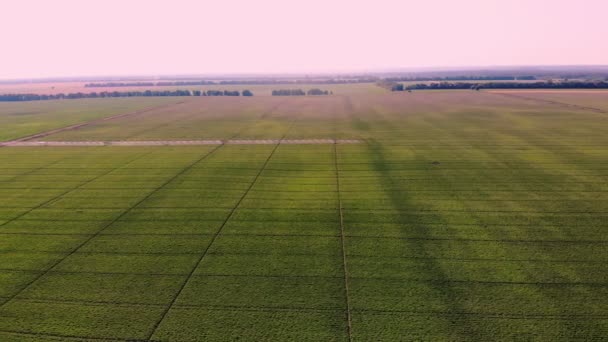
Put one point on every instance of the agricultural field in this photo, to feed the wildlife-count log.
(458, 215)
(596, 98)
(27, 118)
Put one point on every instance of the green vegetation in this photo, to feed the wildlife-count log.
(105, 94)
(23, 119)
(94, 95)
(299, 92)
(390, 85)
(507, 85)
(461, 216)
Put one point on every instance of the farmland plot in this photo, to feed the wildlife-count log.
(461, 216)
(26, 118)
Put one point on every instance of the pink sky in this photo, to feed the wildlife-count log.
(77, 37)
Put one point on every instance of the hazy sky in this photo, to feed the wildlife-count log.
(80, 37)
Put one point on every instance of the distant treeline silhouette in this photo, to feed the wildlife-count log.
(228, 82)
(104, 94)
(460, 78)
(510, 85)
(390, 85)
(271, 81)
(299, 92)
(147, 84)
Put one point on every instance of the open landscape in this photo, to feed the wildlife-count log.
(443, 215)
(269, 170)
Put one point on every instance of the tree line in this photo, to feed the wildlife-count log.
(104, 94)
(300, 92)
(460, 78)
(511, 85)
(317, 80)
(148, 84)
(231, 82)
(390, 85)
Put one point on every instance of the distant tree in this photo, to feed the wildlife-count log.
(397, 87)
(317, 91)
(390, 85)
(247, 92)
(288, 92)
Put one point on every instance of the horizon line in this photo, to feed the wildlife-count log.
(310, 73)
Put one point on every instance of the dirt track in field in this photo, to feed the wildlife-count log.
(180, 142)
(552, 102)
(84, 124)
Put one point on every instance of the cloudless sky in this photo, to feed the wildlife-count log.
(124, 37)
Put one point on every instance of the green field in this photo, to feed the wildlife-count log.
(460, 216)
(27, 118)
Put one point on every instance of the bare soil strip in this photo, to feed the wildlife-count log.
(19, 143)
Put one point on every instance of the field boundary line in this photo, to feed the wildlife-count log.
(513, 241)
(315, 255)
(186, 306)
(202, 275)
(215, 307)
(343, 245)
(365, 222)
(320, 141)
(205, 252)
(218, 232)
(88, 123)
(329, 209)
(499, 315)
(329, 191)
(63, 193)
(62, 337)
(54, 198)
(557, 103)
(213, 275)
(126, 211)
(14, 178)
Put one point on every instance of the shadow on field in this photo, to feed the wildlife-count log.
(356, 121)
(439, 280)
